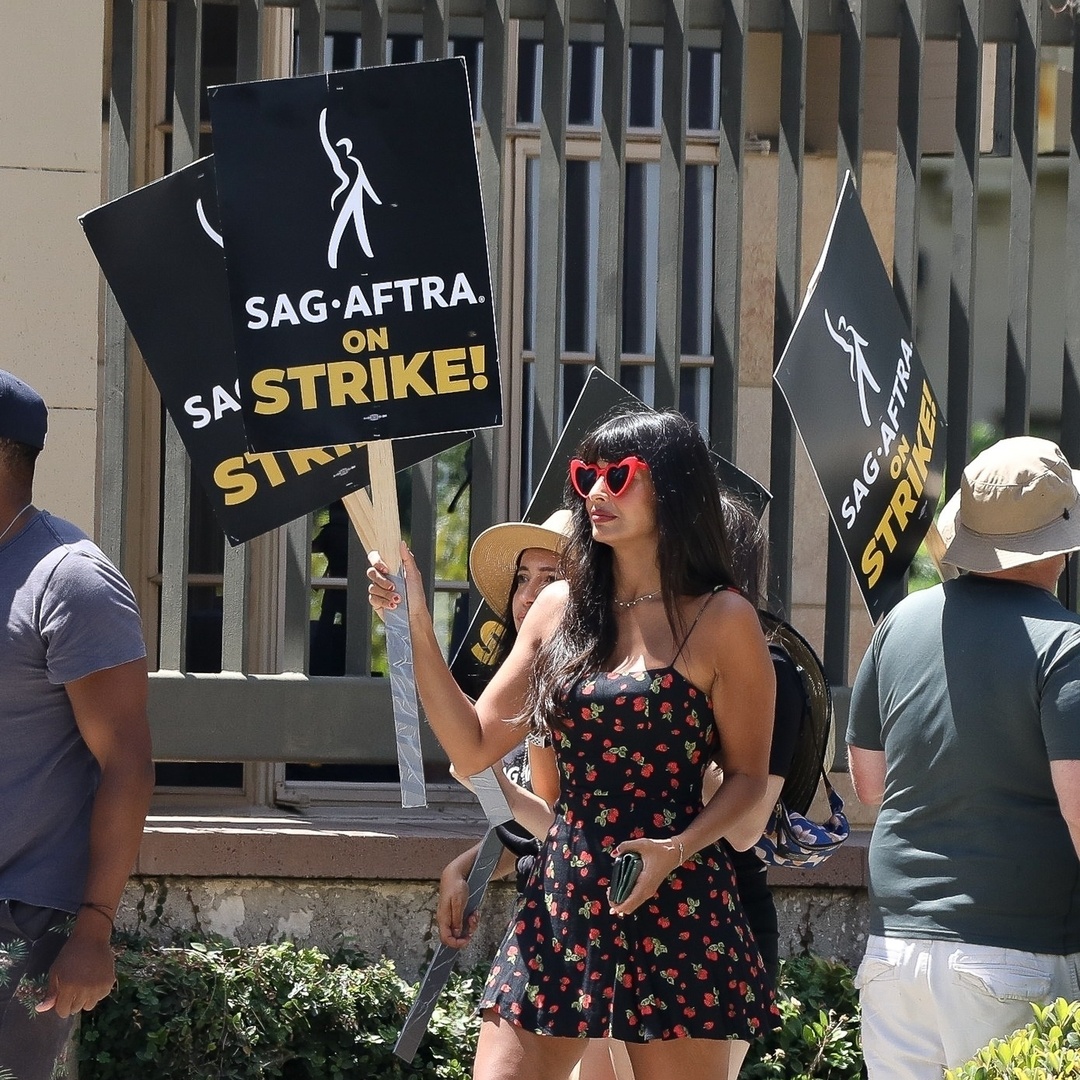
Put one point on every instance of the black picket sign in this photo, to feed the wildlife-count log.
(160, 250)
(356, 255)
(864, 407)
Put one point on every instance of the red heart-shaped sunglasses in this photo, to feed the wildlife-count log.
(617, 476)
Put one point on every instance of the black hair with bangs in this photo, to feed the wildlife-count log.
(692, 547)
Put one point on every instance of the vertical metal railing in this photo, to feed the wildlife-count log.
(669, 267)
(849, 158)
(728, 229)
(609, 287)
(786, 301)
(965, 211)
(1018, 30)
(1025, 138)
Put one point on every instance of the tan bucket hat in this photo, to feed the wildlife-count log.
(494, 555)
(1019, 501)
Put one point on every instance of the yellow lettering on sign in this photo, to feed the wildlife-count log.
(451, 374)
(273, 397)
(346, 380)
(405, 376)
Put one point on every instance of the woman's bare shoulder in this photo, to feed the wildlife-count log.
(727, 628)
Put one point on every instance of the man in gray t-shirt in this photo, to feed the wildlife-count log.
(75, 771)
(965, 727)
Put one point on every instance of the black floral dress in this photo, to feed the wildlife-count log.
(631, 757)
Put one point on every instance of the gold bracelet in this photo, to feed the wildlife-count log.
(682, 853)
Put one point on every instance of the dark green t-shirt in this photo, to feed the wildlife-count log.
(971, 688)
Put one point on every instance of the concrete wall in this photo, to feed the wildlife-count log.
(50, 173)
(396, 919)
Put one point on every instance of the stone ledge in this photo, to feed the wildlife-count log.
(381, 848)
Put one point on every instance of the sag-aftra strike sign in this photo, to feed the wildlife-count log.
(356, 255)
(863, 405)
(160, 250)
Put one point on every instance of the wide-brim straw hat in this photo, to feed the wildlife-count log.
(814, 750)
(493, 559)
(1018, 502)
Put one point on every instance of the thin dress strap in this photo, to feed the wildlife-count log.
(700, 612)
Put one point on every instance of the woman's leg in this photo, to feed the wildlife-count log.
(507, 1052)
(687, 1059)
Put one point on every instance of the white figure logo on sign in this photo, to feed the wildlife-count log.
(207, 227)
(352, 206)
(857, 365)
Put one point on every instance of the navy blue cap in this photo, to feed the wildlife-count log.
(23, 416)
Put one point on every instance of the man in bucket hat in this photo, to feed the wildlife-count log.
(965, 728)
(75, 767)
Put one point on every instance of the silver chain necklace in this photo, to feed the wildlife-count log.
(14, 519)
(637, 600)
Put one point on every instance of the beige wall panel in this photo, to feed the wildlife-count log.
(822, 93)
(758, 271)
(49, 284)
(881, 94)
(64, 484)
(755, 414)
(763, 84)
(938, 134)
(50, 84)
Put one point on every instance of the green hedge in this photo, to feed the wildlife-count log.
(211, 1011)
(1047, 1049)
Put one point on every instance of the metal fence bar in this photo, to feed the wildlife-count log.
(786, 302)
(112, 520)
(373, 34)
(965, 208)
(613, 94)
(908, 156)
(1070, 376)
(436, 29)
(235, 624)
(249, 44)
(672, 198)
(1025, 132)
(296, 608)
(549, 292)
(235, 628)
(728, 230)
(849, 158)
(176, 494)
(311, 31)
(488, 453)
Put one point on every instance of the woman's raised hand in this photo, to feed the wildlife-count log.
(382, 593)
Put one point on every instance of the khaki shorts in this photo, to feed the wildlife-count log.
(931, 1005)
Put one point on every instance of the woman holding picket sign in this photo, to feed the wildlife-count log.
(511, 564)
(642, 665)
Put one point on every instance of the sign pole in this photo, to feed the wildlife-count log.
(935, 548)
(377, 524)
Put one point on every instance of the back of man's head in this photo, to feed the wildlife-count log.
(1018, 503)
(24, 423)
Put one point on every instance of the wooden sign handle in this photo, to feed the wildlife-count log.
(375, 519)
(935, 547)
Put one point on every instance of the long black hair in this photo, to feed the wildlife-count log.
(692, 547)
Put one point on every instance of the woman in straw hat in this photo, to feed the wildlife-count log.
(643, 664)
(510, 564)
